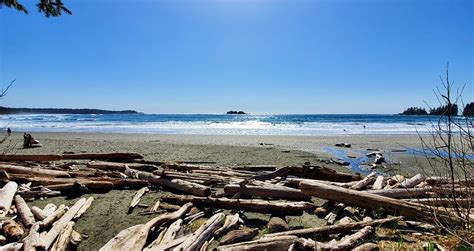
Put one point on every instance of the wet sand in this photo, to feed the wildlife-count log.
(108, 214)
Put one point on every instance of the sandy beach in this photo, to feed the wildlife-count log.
(108, 214)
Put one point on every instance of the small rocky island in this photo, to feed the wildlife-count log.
(8, 110)
(235, 112)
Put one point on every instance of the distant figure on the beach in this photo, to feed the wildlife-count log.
(364, 126)
(9, 131)
(29, 141)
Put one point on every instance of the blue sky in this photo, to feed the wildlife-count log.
(291, 56)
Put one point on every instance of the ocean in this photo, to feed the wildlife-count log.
(213, 124)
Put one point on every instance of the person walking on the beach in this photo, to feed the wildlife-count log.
(9, 131)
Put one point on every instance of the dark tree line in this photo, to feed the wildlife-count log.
(443, 110)
(50, 8)
(415, 111)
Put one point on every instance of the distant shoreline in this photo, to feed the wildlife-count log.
(29, 111)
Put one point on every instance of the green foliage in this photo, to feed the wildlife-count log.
(414, 111)
(49, 8)
(468, 110)
(444, 110)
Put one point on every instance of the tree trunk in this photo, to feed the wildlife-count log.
(104, 156)
(347, 242)
(203, 233)
(270, 191)
(134, 238)
(413, 181)
(177, 184)
(62, 222)
(62, 241)
(6, 197)
(38, 213)
(32, 241)
(30, 157)
(364, 182)
(136, 199)
(250, 205)
(334, 229)
(273, 243)
(24, 211)
(379, 183)
(34, 171)
(84, 208)
(400, 192)
(367, 200)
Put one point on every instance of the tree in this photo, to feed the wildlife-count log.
(468, 110)
(448, 109)
(48, 7)
(415, 111)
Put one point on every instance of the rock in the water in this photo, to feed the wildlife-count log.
(277, 224)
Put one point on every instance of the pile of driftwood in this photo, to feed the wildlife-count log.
(352, 203)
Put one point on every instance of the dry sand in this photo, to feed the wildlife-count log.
(108, 214)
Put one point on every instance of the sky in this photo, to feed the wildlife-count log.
(262, 57)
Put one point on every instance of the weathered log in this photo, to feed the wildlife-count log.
(295, 182)
(38, 213)
(170, 245)
(250, 205)
(367, 247)
(114, 166)
(12, 230)
(413, 181)
(30, 157)
(334, 214)
(274, 243)
(136, 198)
(62, 222)
(347, 242)
(104, 156)
(256, 168)
(401, 192)
(177, 184)
(84, 208)
(367, 200)
(204, 233)
(171, 232)
(48, 221)
(6, 197)
(155, 207)
(269, 191)
(32, 241)
(309, 172)
(62, 241)
(302, 244)
(231, 221)
(134, 238)
(24, 211)
(444, 202)
(379, 183)
(50, 209)
(364, 182)
(334, 229)
(34, 171)
(242, 234)
(14, 246)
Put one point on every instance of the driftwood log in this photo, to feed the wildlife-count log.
(250, 205)
(6, 197)
(62, 241)
(24, 211)
(270, 243)
(62, 222)
(269, 191)
(134, 238)
(367, 200)
(34, 171)
(347, 242)
(334, 229)
(204, 233)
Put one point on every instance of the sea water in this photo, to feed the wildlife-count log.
(221, 124)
